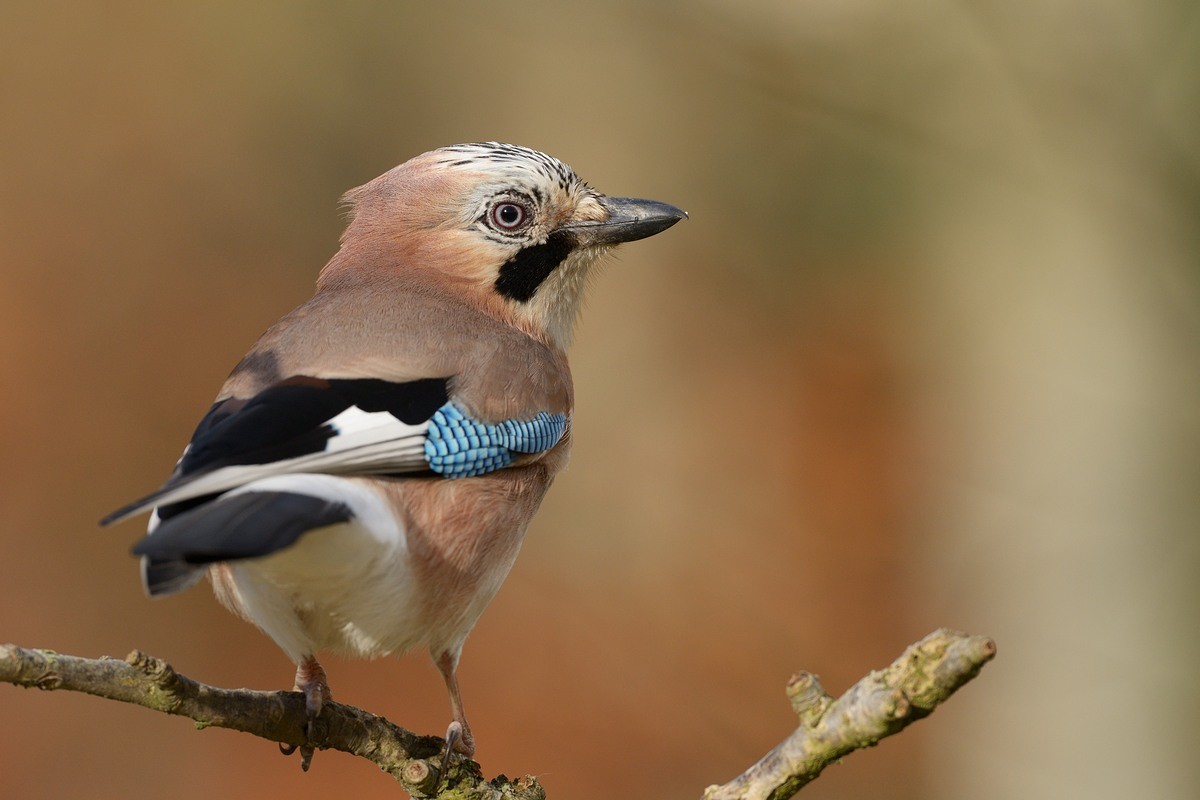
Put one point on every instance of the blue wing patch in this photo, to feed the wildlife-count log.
(457, 446)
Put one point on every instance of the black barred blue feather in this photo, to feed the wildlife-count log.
(458, 447)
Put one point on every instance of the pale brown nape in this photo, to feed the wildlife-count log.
(410, 221)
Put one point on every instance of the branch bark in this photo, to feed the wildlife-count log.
(881, 704)
(146, 681)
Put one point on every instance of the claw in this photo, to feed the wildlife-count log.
(310, 679)
(453, 734)
(307, 750)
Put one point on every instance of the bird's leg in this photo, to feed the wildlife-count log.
(458, 735)
(311, 680)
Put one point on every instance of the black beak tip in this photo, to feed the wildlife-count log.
(674, 214)
(661, 221)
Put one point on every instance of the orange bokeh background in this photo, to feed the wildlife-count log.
(924, 355)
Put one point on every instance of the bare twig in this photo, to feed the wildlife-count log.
(883, 703)
(276, 716)
(879, 705)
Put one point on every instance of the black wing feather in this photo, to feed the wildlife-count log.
(282, 421)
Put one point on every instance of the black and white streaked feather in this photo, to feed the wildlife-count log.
(301, 425)
(495, 155)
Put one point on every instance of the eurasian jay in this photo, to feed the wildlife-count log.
(365, 477)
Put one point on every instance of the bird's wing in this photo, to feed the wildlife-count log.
(391, 381)
(344, 426)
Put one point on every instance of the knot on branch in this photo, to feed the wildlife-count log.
(418, 778)
(164, 680)
(809, 699)
(156, 669)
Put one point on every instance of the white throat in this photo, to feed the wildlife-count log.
(556, 304)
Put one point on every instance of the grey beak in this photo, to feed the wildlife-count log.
(629, 219)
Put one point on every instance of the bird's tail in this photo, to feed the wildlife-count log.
(234, 526)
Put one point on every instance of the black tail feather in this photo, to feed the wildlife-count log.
(245, 525)
(168, 577)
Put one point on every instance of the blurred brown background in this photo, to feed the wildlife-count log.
(926, 354)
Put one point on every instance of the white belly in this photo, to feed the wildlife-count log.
(347, 588)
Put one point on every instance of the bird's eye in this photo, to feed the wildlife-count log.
(509, 216)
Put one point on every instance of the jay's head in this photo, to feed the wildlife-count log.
(511, 230)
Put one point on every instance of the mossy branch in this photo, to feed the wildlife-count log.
(881, 704)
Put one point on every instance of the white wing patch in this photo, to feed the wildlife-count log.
(372, 441)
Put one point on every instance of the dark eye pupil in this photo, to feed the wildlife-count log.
(509, 215)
